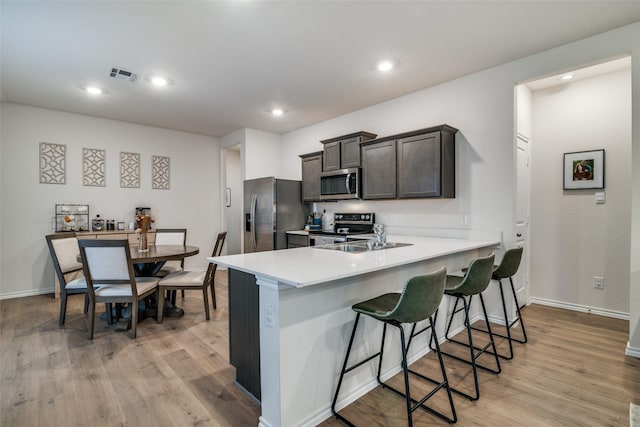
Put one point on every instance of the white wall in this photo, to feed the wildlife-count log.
(234, 212)
(572, 238)
(262, 151)
(27, 205)
(482, 107)
(260, 156)
(633, 347)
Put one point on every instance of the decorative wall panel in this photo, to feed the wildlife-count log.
(53, 163)
(93, 167)
(129, 170)
(160, 173)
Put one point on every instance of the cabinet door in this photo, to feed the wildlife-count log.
(297, 241)
(311, 170)
(379, 170)
(244, 330)
(350, 153)
(331, 156)
(419, 166)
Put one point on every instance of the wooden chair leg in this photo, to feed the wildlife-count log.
(134, 318)
(92, 316)
(160, 300)
(63, 308)
(182, 293)
(205, 297)
(213, 295)
(108, 308)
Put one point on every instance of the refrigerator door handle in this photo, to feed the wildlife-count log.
(254, 204)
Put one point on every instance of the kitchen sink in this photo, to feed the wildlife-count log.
(361, 246)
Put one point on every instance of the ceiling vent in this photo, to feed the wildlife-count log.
(120, 74)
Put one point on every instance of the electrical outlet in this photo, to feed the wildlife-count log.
(598, 282)
(268, 315)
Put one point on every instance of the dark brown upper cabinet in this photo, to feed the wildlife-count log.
(379, 169)
(343, 152)
(416, 164)
(311, 170)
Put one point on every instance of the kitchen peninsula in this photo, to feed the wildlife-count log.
(305, 296)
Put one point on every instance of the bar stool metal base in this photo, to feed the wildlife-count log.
(411, 403)
(508, 324)
(474, 351)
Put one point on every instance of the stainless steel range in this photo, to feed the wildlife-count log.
(347, 226)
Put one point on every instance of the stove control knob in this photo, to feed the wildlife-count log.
(366, 217)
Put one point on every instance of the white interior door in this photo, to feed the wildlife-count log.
(521, 280)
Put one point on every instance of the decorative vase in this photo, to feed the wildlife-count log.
(143, 243)
(143, 223)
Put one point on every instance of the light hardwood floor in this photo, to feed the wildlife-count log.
(573, 372)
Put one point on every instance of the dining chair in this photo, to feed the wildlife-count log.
(64, 254)
(171, 236)
(202, 279)
(107, 263)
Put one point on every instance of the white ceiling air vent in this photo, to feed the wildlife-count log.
(120, 74)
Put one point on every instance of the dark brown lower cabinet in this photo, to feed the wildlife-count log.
(244, 330)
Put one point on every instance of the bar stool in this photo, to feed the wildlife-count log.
(507, 269)
(474, 282)
(418, 301)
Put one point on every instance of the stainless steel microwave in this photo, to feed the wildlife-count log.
(340, 184)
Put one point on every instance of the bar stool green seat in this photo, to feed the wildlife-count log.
(508, 268)
(418, 301)
(474, 282)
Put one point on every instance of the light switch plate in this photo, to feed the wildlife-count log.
(600, 198)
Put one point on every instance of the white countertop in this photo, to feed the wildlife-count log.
(308, 266)
(299, 232)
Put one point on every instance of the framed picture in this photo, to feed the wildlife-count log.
(121, 226)
(584, 170)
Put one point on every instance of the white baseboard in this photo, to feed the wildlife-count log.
(632, 351)
(581, 308)
(30, 293)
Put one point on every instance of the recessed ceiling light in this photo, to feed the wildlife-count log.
(385, 66)
(94, 90)
(567, 77)
(277, 112)
(159, 81)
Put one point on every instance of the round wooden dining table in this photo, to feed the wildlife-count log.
(148, 263)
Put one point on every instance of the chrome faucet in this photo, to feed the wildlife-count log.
(380, 239)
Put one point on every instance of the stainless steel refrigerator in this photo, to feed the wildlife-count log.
(271, 208)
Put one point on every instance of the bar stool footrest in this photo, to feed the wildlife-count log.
(420, 403)
(476, 355)
(453, 356)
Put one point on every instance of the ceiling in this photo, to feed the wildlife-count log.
(230, 62)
